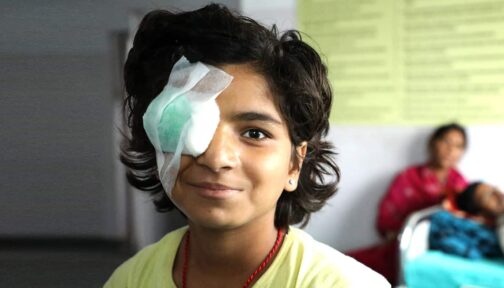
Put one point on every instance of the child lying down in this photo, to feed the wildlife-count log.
(473, 224)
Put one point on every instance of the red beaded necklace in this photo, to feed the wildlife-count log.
(264, 263)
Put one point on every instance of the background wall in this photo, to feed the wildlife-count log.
(57, 169)
(60, 87)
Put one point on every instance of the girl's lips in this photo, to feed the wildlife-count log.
(214, 190)
(213, 186)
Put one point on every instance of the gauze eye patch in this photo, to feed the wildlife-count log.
(183, 118)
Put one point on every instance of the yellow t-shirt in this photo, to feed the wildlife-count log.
(301, 262)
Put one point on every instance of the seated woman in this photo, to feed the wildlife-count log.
(424, 185)
(472, 223)
(415, 188)
(227, 122)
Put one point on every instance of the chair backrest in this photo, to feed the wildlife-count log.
(414, 238)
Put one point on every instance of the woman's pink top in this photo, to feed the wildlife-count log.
(414, 189)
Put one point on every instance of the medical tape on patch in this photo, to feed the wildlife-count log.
(183, 118)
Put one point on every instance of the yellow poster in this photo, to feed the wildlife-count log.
(404, 62)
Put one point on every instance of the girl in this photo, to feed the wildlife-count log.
(242, 165)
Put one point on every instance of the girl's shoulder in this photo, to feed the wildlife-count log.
(148, 265)
(306, 262)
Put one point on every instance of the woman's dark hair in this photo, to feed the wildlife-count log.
(441, 131)
(214, 35)
(465, 200)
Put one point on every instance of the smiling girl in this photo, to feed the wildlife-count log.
(266, 165)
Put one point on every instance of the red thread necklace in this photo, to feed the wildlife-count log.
(264, 263)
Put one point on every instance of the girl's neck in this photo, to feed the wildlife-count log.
(231, 248)
(225, 256)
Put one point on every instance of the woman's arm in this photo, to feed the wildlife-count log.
(394, 207)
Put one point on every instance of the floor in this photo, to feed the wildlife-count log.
(58, 263)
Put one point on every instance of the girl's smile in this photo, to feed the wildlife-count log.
(214, 191)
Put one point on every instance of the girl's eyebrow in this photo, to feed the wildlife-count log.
(256, 116)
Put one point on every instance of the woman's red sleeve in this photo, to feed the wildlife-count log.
(394, 207)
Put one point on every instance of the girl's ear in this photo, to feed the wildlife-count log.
(295, 167)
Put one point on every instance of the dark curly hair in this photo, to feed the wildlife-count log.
(216, 36)
(466, 199)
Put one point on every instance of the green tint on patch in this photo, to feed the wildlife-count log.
(174, 117)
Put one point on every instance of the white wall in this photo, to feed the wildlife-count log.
(280, 12)
(368, 158)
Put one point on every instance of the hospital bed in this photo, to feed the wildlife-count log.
(421, 268)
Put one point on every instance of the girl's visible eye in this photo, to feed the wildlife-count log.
(255, 134)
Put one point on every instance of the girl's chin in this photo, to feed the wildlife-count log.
(217, 222)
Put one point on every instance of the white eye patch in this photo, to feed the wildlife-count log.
(183, 118)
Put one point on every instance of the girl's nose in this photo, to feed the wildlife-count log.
(222, 153)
